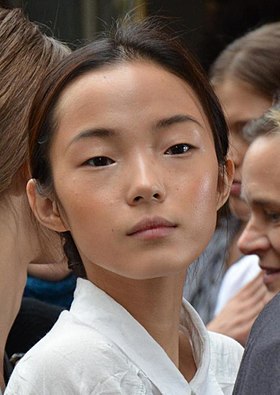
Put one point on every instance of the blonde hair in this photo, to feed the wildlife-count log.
(267, 124)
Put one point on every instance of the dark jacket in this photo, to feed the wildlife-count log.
(259, 371)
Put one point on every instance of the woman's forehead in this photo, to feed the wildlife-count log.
(129, 83)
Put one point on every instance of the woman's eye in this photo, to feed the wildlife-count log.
(99, 161)
(272, 216)
(178, 149)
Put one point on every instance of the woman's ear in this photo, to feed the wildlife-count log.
(44, 208)
(224, 183)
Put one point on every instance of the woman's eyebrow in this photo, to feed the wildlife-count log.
(105, 132)
(91, 133)
(175, 119)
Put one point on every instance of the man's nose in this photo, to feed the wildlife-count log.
(253, 239)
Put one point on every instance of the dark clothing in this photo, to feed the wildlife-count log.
(259, 371)
(8, 368)
(33, 321)
(59, 293)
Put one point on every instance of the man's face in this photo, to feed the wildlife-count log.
(261, 190)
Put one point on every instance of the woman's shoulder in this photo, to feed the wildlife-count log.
(71, 350)
(71, 339)
(225, 356)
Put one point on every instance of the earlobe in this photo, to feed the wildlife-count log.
(225, 181)
(44, 208)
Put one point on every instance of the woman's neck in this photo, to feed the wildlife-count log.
(156, 305)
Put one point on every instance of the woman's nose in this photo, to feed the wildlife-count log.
(253, 240)
(145, 183)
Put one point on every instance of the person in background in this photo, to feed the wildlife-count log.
(26, 56)
(260, 367)
(228, 290)
(51, 283)
(260, 191)
(128, 154)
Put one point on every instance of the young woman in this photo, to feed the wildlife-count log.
(245, 77)
(26, 55)
(128, 154)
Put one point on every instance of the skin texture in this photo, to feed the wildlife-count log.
(261, 190)
(158, 164)
(50, 271)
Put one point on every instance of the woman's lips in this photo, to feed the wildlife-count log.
(235, 188)
(152, 228)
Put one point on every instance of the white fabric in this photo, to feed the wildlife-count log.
(98, 348)
(236, 277)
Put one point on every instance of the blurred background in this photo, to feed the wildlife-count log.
(206, 26)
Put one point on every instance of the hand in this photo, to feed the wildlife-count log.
(238, 315)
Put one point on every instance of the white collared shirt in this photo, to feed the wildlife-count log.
(98, 348)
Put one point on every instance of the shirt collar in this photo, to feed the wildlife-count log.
(109, 318)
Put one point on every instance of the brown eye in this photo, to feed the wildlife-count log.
(99, 161)
(272, 216)
(178, 149)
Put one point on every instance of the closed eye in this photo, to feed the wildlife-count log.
(99, 161)
(178, 149)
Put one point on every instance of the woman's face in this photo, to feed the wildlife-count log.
(261, 188)
(241, 103)
(135, 171)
